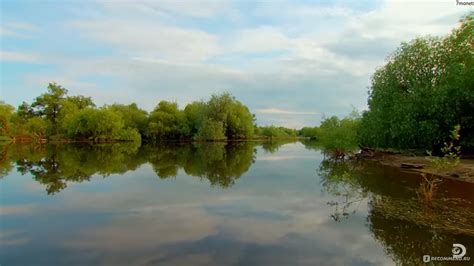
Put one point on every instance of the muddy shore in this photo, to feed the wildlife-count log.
(464, 171)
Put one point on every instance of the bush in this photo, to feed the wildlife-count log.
(339, 136)
(129, 134)
(211, 130)
(277, 132)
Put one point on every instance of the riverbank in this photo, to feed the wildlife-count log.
(28, 140)
(464, 171)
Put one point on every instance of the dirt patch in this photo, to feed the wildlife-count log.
(421, 164)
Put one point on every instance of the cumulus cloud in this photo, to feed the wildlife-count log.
(154, 40)
(280, 58)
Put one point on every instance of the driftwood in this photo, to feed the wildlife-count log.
(365, 152)
(411, 166)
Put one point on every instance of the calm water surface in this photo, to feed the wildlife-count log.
(217, 204)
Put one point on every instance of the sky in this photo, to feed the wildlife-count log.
(291, 62)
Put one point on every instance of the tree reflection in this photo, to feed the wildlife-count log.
(398, 217)
(5, 163)
(220, 163)
(56, 165)
(409, 229)
(273, 146)
(340, 179)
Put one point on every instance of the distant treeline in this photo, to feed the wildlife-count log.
(55, 115)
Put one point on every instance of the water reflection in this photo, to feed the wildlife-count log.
(274, 146)
(340, 179)
(399, 217)
(283, 204)
(220, 163)
(55, 165)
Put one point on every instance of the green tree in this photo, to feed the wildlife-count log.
(270, 132)
(235, 117)
(423, 91)
(309, 132)
(211, 130)
(132, 115)
(6, 112)
(80, 101)
(166, 121)
(49, 104)
(277, 132)
(37, 128)
(339, 137)
(195, 113)
(94, 124)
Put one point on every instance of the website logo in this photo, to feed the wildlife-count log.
(459, 251)
(465, 2)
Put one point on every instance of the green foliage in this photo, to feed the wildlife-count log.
(132, 116)
(277, 132)
(94, 124)
(234, 116)
(220, 118)
(211, 130)
(195, 113)
(452, 152)
(48, 105)
(309, 132)
(80, 101)
(56, 115)
(5, 139)
(128, 134)
(338, 137)
(167, 122)
(37, 128)
(6, 112)
(423, 91)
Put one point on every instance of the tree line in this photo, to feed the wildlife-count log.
(423, 92)
(55, 115)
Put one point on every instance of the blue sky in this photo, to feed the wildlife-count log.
(291, 62)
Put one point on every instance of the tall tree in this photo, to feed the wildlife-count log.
(49, 104)
(424, 90)
(6, 112)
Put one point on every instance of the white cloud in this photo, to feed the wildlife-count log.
(17, 30)
(18, 57)
(284, 55)
(261, 39)
(283, 112)
(199, 9)
(152, 39)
